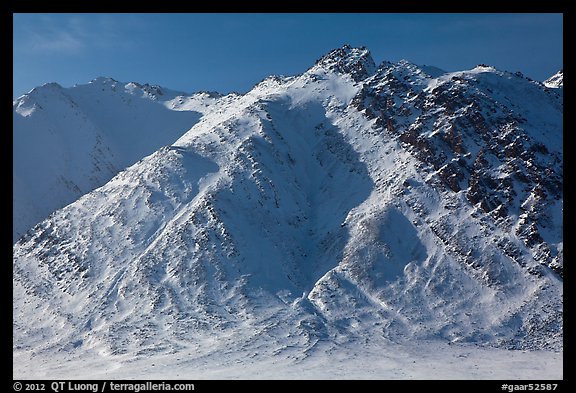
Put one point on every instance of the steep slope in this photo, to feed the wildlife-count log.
(69, 141)
(350, 204)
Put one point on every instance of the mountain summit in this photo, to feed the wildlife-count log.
(350, 204)
(84, 135)
(556, 80)
(357, 62)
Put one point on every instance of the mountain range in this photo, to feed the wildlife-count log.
(353, 204)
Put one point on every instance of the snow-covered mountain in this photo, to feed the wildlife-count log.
(351, 204)
(69, 141)
(555, 81)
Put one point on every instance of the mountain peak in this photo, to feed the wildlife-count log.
(103, 80)
(52, 85)
(357, 62)
(555, 81)
(44, 89)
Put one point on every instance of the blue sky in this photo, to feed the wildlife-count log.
(232, 52)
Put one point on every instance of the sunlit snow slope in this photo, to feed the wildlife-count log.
(347, 204)
(556, 80)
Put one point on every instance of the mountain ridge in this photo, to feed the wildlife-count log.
(349, 203)
(114, 124)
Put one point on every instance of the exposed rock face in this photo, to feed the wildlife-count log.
(477, 140)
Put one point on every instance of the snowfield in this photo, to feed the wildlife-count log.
(68, 142)
(355, 221)
(386, 361)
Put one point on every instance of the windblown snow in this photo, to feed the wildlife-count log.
(68, 142)
(355, 221)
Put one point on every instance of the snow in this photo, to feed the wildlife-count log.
(386, 361)
(556, 81)
(68, 142)
(285, 234)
